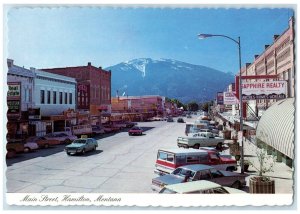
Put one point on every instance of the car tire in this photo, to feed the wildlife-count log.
(26, 149)
(219, 146)
(236, 185)
(83, 151)
(11, 153)
(46, 146)
(68, 153)
(67, 141)
(196, 146)
(95, 148)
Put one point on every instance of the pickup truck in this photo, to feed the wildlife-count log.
(79, 130)
(203, 140)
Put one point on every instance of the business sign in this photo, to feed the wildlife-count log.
(13, 108)
(220, 98)
(264, 90)
(34, 114)
(229, 98)
(14, 90)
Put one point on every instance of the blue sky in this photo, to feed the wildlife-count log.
(73, 36)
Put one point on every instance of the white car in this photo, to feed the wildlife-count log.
(30, 146)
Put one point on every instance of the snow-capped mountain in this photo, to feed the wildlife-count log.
(166, 77)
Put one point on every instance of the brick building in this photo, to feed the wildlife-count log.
(93, 89)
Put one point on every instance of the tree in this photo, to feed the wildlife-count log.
(193, 106)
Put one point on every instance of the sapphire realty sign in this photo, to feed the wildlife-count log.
(264, 90)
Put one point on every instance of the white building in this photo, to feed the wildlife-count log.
(53, 93)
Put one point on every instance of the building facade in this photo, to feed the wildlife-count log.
(93, 88)
(20, 82)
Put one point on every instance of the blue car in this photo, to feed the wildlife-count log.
(81, 146)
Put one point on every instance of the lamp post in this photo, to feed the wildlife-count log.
(238, 42)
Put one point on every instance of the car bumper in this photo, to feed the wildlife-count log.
(156, 188)
(182, 145)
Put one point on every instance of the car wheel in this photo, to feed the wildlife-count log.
(219, 146)
(196, 146)
(95, 148)
(26, 149)
(67, 141)
(46, 146)
(68, 153)
(11, 153)
(83, 151)
(236, 185)
(129, 134)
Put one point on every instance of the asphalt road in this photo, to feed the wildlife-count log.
(121, 164)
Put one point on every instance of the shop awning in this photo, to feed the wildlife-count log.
(276, 127)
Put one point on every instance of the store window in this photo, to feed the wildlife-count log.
(60, 97)
(42, 98)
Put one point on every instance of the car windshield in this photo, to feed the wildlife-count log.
(80, 141)
(183, 172)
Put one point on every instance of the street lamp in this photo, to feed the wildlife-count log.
(238, 42)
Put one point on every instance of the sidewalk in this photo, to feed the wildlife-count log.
(282, 174)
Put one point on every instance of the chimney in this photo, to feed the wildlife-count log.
(275, 37)
(266, 46)
(10, 63)
(255, 56)
(89, 64)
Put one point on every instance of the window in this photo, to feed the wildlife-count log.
(48, 97)
(66, 98)
(180, 159)
(162, 156)
(54, 97)
(70, 98)
(192, 159)
(170, 158)
(60, 97)
(42, 98)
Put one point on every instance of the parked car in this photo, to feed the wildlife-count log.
(130, 124)
(14, 146)
(170, 119)
(42, 142)
(136, 130)
(61, 137)
(199, 187)
(97, 130)
(189, 116)
(81, 145)
(170, 159)
(199, 172)
(180, 120)
(30, 146)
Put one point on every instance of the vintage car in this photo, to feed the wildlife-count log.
(81, 145)
(136, 130)
(42, 142)
(170, 159)
(96, 130)
(199, 172)
(180, 120)
(63, 137)
(14, 146)
(30, 146)
(203, 140)
(199, 187)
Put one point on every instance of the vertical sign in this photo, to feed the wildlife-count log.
(14, 100)
(220, 100)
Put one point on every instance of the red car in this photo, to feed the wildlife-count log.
(135, 131)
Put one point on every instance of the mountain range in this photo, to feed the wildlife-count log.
(167, 77)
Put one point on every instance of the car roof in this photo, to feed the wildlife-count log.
(183, 151)
(197, 167)
(192, 186)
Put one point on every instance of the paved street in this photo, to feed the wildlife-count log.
(121, 164)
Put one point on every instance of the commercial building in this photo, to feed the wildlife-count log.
(93, 89)
(19, 99)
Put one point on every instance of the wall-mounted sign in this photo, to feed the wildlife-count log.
(14, 90)
(264, 90)
(229, 98)
(220, 100)
(14, 108)
(34, 114)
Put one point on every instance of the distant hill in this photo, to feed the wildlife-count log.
(166, 77)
